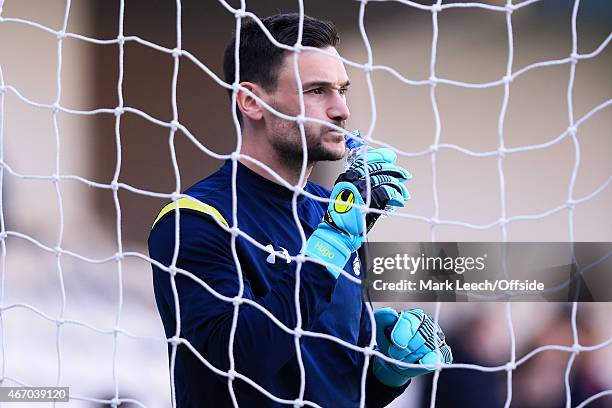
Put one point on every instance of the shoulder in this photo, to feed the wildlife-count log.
(208, 200)
(202, 229)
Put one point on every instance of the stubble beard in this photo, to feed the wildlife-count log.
(287, 144)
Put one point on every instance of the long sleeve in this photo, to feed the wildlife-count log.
(379, 394)
(260, 346)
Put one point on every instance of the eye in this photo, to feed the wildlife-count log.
(316, 91)
(343, 91)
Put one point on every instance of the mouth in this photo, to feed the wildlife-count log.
(337, 132)
(339, 136)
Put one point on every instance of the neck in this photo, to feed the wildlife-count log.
(286, 168)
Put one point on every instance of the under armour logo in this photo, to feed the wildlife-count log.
(272, 257)
(357, 265)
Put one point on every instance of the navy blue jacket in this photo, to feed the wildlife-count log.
(262, 351)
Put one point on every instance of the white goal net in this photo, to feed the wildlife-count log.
(501, 110)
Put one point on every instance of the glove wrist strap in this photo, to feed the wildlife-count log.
(328, 246)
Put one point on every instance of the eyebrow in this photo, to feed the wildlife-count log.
(323, 84)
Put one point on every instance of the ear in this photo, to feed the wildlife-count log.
(247, 104)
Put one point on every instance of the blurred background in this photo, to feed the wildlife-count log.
(472, 47)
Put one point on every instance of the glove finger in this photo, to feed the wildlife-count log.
(418, 345)
(391, 182)
(445, 357)
(398, 172)
(427, 334)
(381, 192)
(395, 199)
(447, 354)
(378, 167)
(399, 353)
(380, 196)
(415, 355)
(430, 359)
(423, 334)
(383, 155)
(426, 356)
(384, 195)
(404, 329)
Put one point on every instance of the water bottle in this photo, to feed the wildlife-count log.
(356, 146)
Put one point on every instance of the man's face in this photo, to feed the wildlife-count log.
(324, 82)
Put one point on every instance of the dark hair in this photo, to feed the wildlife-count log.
(260, 60)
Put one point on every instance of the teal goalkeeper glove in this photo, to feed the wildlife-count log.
(386, 180)
(340, 232)
(410, 337)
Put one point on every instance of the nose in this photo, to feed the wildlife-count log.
(338, 110)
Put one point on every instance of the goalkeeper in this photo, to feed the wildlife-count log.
(328, 301)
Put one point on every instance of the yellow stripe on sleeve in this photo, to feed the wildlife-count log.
(191, 204)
